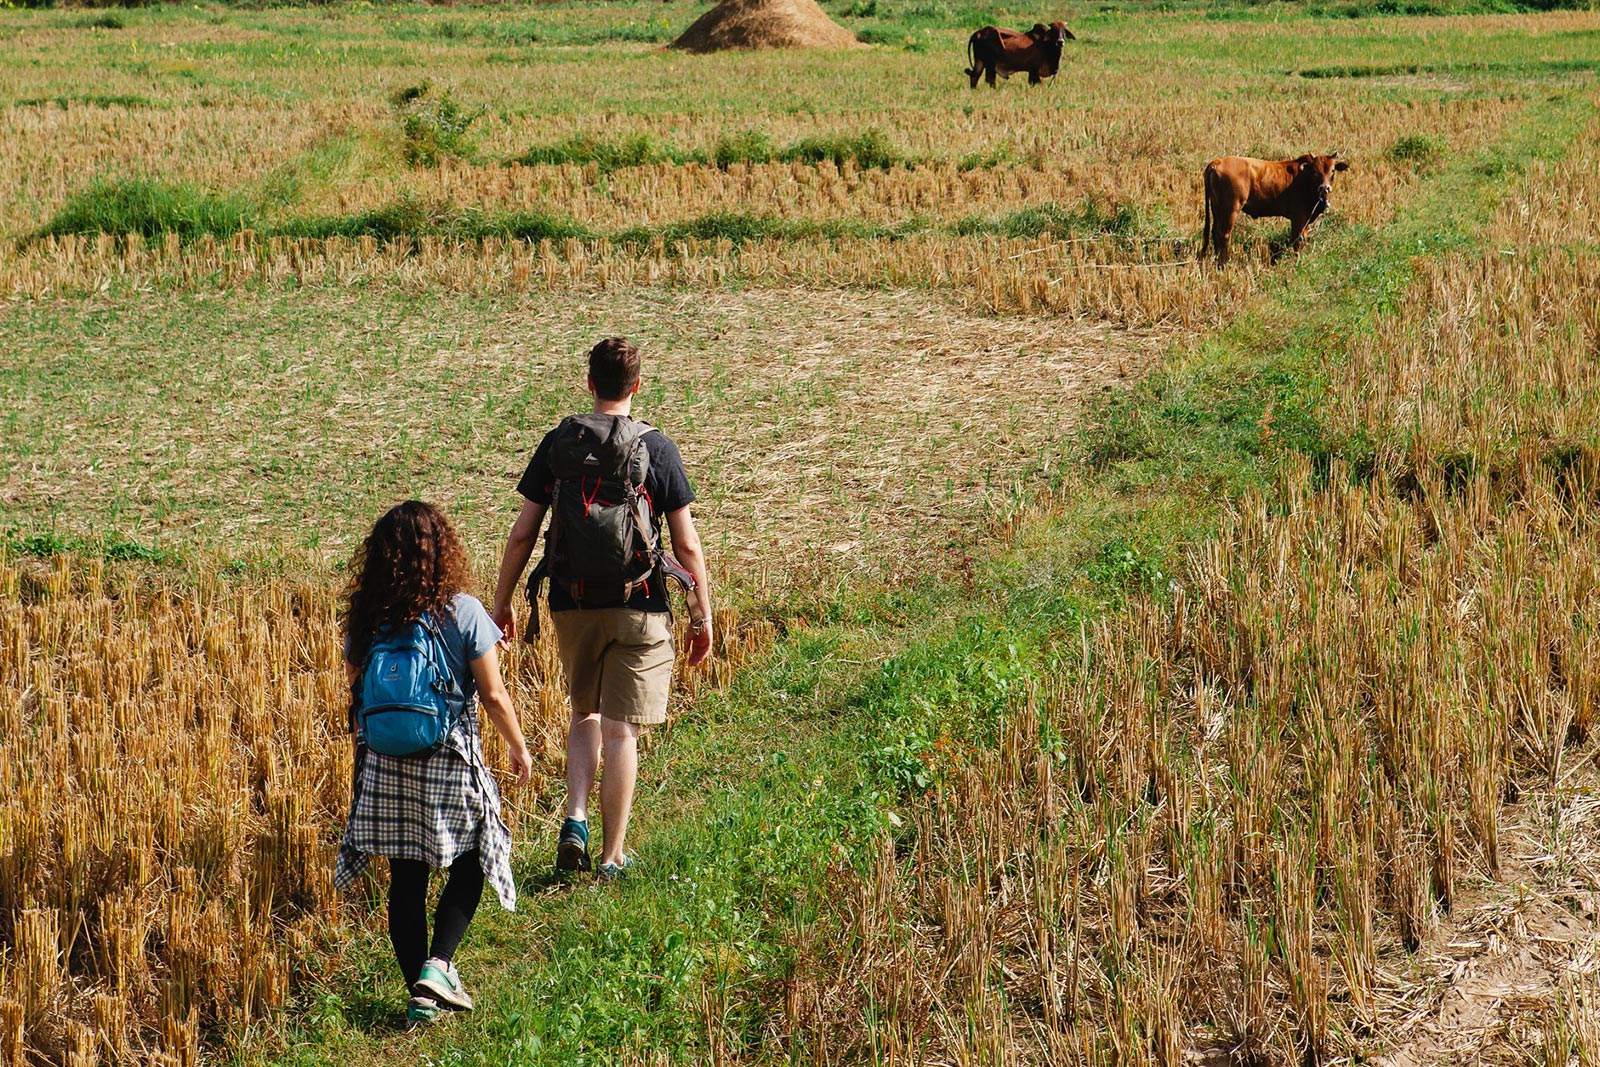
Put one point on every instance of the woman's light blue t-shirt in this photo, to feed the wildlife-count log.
(468, 634)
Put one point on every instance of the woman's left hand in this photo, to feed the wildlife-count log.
(521, 764)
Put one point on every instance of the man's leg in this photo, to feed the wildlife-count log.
(621, 741)
(583, 759)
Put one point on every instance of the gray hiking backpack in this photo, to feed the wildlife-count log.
(602, 543)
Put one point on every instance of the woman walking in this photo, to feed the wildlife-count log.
(437, 807)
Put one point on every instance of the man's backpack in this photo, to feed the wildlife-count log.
(602, 542)
(408, 701)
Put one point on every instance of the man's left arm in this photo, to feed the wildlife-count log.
(519, 547)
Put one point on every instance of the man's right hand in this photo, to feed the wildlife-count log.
(699, 645)
(506, 619)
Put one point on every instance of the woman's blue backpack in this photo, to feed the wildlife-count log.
(409, 700)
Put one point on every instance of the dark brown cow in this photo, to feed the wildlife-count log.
(1293, 189)
(994, 51)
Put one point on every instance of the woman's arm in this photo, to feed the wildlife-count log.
(497, 702)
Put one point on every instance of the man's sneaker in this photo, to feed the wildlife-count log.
(440, 983)
(420, 1010)
(614, 872)
(572, 851)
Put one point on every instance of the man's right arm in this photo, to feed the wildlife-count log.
(519, 547)
(686, 546)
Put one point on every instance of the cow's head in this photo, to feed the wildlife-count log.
(1316, 172)
(1055, 33)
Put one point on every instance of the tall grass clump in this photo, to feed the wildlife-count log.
(749, 146)
(433, 125)
(147, 207)
(583, 149)
(1422, 151)
(869, 150)
(1088, 217)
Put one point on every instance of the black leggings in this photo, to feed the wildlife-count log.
(408, 910)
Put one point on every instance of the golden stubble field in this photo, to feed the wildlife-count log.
(1335, 796)
(173, 774)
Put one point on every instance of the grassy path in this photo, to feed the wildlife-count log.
(750, 801)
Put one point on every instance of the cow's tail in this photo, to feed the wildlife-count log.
(972, 55)
(1205, 191)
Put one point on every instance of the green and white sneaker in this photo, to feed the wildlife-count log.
(422, 1010)
(615, 872)
(441, 983)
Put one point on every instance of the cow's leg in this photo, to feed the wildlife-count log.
(975, 73)
(1033, 77)
(1221, 230)
(1297, 231)
(988, 75)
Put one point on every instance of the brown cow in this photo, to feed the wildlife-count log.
(1293, 189)
(994, 51)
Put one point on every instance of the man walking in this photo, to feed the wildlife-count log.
(606, 479)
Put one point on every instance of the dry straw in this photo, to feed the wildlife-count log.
(1330, 799)
(174, 779)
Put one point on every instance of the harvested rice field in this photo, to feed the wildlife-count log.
(1120, 660)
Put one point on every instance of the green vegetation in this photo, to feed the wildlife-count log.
(433, 124)
(867, 150)
(149, 208)
(971, 498)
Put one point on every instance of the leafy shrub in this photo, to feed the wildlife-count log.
(1123, 566)
(433, 124)
(149, 208)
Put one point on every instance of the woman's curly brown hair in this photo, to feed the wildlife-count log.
(412, 562)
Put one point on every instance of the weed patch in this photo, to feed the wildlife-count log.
(149, 208)
(583, 149)
(1420, 150)
(433, 124)
(1089, 217)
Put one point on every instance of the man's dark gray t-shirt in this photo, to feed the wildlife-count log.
(666, 485)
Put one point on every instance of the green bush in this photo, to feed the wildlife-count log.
(433, 124)
(149, 208)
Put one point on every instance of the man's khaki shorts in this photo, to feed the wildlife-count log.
(618, 662)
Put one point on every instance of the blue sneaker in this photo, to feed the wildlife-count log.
(615, 872)
(572, 851)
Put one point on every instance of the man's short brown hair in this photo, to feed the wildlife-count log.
(614, 368)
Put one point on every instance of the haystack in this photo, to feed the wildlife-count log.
(765, 24)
